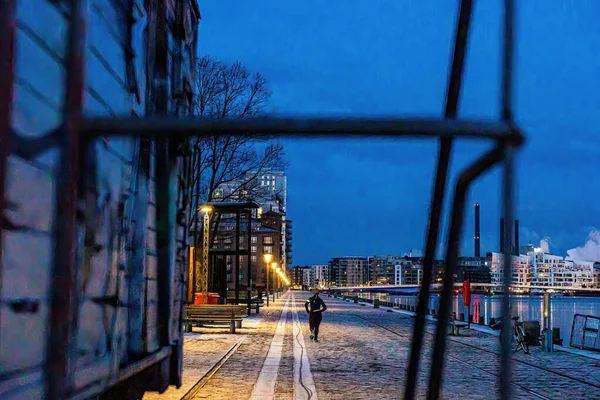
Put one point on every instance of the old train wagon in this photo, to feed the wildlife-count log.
(96, 313)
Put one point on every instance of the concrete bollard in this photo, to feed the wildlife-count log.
(461, 317)
(376, 303)
(355, 299)
(433, 312)
(481, 320)
(412, 308)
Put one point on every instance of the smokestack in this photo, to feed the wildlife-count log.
(501, 235)
(516, 237)
(476, 238)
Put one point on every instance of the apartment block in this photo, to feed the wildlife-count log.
(349, 271)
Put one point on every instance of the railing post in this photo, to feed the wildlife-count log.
(548, 339)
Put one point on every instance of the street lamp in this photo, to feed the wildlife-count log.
(278, 270)
(202, 286)
(268, 257)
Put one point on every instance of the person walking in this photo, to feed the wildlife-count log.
(315, 307)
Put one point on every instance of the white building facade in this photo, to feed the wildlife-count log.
(541, 270)
(321, 276)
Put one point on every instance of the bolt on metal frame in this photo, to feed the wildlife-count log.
(76, 131)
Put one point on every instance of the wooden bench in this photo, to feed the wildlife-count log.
(255, 303)
(222, 313)
(455, 325)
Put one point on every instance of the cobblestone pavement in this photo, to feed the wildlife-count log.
(201, 353)
(363, 354)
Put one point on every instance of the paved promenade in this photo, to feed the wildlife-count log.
(363, 354)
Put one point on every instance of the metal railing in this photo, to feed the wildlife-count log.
(585, 333)
(76, 131)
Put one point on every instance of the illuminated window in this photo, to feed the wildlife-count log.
(254, 239)
(253, 249)
(268, 240)
(253, 258)
(268, 249)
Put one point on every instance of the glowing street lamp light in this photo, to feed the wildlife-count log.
(268, 257)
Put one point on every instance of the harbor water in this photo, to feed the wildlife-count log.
(528, 308)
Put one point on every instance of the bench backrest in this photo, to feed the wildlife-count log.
(217, 310)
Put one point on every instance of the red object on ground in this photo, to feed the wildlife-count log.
(467, 293)
(213, 298)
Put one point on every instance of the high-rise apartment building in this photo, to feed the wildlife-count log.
(269, 190)
(321, 276)
(382, 269)
(349, 271)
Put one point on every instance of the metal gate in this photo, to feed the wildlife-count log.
(585, 333)
(504, 134)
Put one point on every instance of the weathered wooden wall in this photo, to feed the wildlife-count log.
(117, 252)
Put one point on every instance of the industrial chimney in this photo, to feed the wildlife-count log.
(516, 245)
(501, 235)
(476, 238)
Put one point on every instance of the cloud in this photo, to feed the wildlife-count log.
(545, 244)
(590, 251)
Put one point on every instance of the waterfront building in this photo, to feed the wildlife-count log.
(382, 269)
(269, 190)
(301, 276)
(349, 271)
(596, 274)
(521, 270)
(473, 269)
(321, 276)
(407, 272)
(265, 238)
(538, 270)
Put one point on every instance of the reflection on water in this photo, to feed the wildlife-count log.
(527, 307)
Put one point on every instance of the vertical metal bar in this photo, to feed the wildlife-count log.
(165, 213)
(237, 257)
(509, 11)
(507, 72)
(7, 65)
(64, 307)
(506, 317)
(249, 270)
(451, 107)
(456, 225)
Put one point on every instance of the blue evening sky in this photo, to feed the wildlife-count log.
(375, 57)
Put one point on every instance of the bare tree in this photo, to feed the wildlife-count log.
(229, 91)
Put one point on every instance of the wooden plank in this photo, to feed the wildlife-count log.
(151, 316)
(26, 272)
(136, 268)
(23, 339)
(33, 203)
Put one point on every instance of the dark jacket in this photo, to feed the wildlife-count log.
(315, 304)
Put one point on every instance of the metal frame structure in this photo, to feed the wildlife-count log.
(76, 132)
(205, 248)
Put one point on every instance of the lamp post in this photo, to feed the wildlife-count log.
(268, 257)
(278, 270)
(202, 283)
(274, 267)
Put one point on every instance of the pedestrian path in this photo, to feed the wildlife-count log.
(363, 353)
